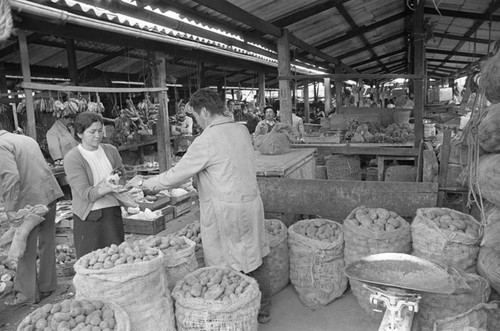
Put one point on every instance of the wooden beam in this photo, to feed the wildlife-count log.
(374, 59)
(328, 95)
(457, 37)
(362, 70)
(419, 69)
(451, 53)
(306, 11)
(284, 69)
(307, 108)
(163, 125)
(262, 91)
(348, 76)
(339, 85)
(335, 199)
(448, 61)
(104, 59)
(481, 17)
(69, 88)
(25, 66)
(72, 62)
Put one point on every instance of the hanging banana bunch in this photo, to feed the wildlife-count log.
(21, 107)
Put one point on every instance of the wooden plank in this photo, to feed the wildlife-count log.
(430, 166)
(350, 76)
(336, 199)
(306, 102)
(25, 67)
(362, 149)
(443, 167)
(285, 96)
(280, 165)
(72, 62)
(419, 69)
(72, 88)
(163, 126)
(328, 95)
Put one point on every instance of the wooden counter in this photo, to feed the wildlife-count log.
(297, 164)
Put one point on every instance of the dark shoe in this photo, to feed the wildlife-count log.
(44, 295)
(264, 317)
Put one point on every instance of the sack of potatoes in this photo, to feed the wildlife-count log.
(377, 219)
(319, 229)
(77, 315)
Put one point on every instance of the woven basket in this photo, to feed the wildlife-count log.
(343, 167)
(65, 269)
(401, 173)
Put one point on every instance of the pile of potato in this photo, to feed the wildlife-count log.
(126, 253)
(82, 315)
(452, 221)
(167, 244)
(273, 227)
(377, 219)
(193, 232)
(319, 229)
(6, 280)
(211, 284)
(65, 254)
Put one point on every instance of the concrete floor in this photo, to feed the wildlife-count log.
(343, 314)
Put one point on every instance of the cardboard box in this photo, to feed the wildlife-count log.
(144, 226)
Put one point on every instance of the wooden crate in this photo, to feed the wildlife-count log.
(168, 213)
(155, 205)
(144, 226)
(177, 200)
(182, 208)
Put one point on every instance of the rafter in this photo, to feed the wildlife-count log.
(462, 14)
(372, 45)
(451, 53)
(494, 5)
(457, 37)
(370, 60)
(306, 12)
(385, 63)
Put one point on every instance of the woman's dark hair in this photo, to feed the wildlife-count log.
(272, 108)
(208, 99)
(83, 121)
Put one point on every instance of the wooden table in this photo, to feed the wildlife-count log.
(297, 163)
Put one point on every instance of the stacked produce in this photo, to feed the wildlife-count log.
(179, 256)
(372, 231)
(216, 298)
(77, 315)
(358, 132)
(470, 290)
(447, 237)
(71, 106)
(193, 232)
(279, 261)
(317, 261)
(129, 125)
(131, 275)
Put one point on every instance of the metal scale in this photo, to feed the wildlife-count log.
(395, 281)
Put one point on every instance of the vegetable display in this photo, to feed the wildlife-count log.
(358, 132)
(212, 284)
(319, 229)
(452, 221)
(125, 253)
(377, 219)
(167, 244)
(84, 315)
(193, 232)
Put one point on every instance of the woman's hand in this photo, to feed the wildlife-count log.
(104, 188)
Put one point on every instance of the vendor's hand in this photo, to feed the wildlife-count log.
(149, 187)
(105, 188)
(136, 181)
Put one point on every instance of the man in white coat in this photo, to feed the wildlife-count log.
(231, 211)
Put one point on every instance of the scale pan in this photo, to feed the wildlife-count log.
(402, 271)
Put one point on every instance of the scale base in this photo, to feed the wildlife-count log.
(404, 325)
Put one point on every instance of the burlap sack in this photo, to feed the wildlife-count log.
(139, 288)
(482, 317)
(279, 261)
(179, 264)
(316, 268)
(215, 315)
(488, 180)
(275, 142)
(445, 247)
(361, 241)
(434, 307)
(120, 316)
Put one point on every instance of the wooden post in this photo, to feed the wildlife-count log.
(328, 96)
(306, 101)
(262, 91)
(25, 67)
(72, 63)
(163, 125)
(419, 56)
(284, 85)
(338, 89)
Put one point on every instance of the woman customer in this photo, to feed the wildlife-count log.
(97, 219)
